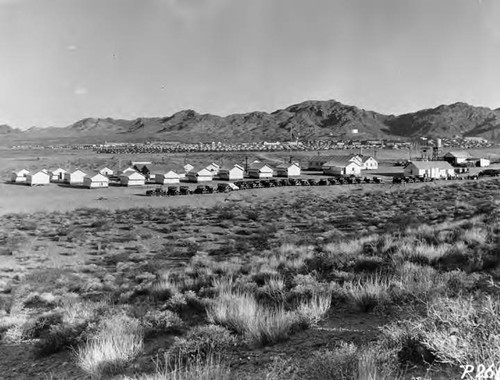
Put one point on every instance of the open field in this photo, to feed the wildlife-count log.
(270, 286)
(337, 282)
(18, 198)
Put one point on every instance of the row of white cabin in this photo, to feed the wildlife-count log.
(44, 177)
(138, 174)
(335, 165)
(164, 175)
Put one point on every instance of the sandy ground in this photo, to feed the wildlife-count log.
(25, 199)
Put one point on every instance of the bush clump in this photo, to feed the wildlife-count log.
(118, 340)
(201, 342)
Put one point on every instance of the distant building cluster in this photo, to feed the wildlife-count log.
(306, 145)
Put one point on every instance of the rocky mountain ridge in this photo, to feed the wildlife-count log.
(307, 120)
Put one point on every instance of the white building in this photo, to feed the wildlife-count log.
(231, 172)
(482, 162)
(457, 157)
(260, 170)
(74, 178)
(214, 168)
(342, 166)
(106, 171)
(288, 170)
(429, 169)
(57, 175)
(38, 178)
(19, 176)
(368, 163)
(96, 181)
(199, 175)
(317, 162)
(132, 178)
(167, 177)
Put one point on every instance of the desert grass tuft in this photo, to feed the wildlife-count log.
(199, 368)
(367, 294)
(241, 312)
(118, 340)
(313, 310)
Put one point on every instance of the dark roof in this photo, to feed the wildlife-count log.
(196, 169)
(287, 165)
(258, 165)
(340, 161)
(229, 166)
(334, 157)
(129, 174)
(161, 169)
(459, 154)
(93, 174)
(365, 158)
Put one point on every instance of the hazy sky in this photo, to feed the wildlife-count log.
(63, 60)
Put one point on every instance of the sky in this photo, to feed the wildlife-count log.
(64, 60)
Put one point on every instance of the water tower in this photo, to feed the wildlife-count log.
(437, 150)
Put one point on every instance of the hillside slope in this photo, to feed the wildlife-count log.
(447, 121)
(307, 120)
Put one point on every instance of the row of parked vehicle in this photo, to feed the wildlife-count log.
(259, 183)
(398, 180)
(185, 190)
(305, 182)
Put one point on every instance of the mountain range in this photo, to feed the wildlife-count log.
(307, 120)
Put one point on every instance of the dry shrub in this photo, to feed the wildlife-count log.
(282, 369)
(400, 346)
(313, 310)
(199, 368)
(12, 327)
(415, 282)
(274, 290)
(367, 294)
(163, 288)
(118, 340)
(425, 253)
(240, 312)
(165, 320)
(200, 343)
(462, 331)
(339, 363)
